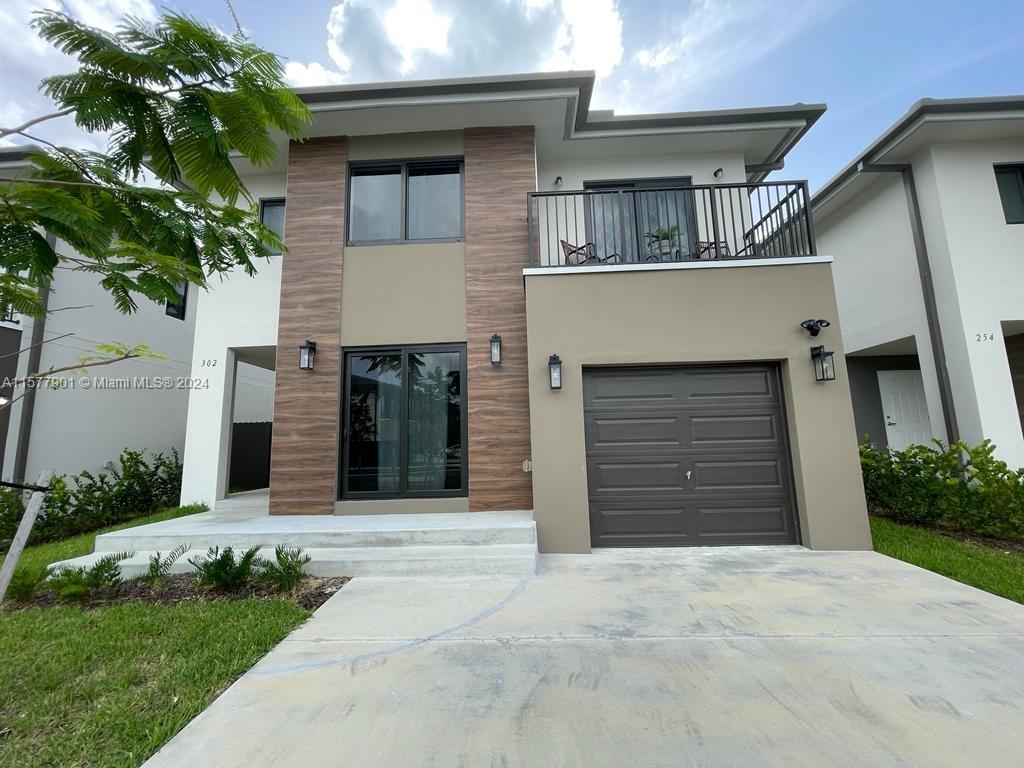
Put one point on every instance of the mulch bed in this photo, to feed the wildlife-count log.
(1004, 545)
(181, 588)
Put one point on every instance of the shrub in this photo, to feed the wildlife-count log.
(87, 501)
(79, 584)
(160, 568)
(285, 572)
(956, 487)
(25, 582)
(219, 569)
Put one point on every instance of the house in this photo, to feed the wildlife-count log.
(926, 227)
(497, 299)
(139, 404)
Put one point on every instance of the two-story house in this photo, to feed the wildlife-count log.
(497, 299)
(927, 230)
(89, 416)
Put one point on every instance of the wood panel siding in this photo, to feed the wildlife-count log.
(500, 168)
(304, 455)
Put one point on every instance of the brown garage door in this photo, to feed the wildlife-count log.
(687, 456)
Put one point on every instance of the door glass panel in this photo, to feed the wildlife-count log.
(665, 223)
(612, 224)
(374, 428)
(435, 421)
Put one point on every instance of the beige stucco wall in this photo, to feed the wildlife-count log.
(403, 294)
(396, 146)
(691, 315)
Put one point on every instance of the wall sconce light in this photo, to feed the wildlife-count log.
(558, 181)
(824, 365)
(719, 173)
(306, 354)
(814, 327)
(555, 371)
(495, 349)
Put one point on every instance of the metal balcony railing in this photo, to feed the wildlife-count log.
(636, 226)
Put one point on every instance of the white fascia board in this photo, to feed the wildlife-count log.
(672, 265)
(454, 99)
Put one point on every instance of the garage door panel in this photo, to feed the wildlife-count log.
(725, 523)
(687, 455)
(617, 431)
(740, 474)
(628, 477)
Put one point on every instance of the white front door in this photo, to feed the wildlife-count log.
(904, 409)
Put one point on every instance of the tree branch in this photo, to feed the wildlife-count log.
(5, 132)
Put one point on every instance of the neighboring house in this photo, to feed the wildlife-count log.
(127, 404)
(931, 299)
(518, 303)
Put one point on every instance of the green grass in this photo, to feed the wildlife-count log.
(109, 686)
(55, 551)
(987, 568)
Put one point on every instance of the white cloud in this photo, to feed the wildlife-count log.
(589, 37)
(414, 26)
(300, 75)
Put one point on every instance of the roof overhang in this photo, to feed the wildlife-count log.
(557, 104)
(928, 121)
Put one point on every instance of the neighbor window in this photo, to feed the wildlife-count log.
(1010, 179)
(403, 201)
(272, 215)
(176, 309)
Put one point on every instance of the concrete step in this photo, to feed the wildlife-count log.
(217, 529)
(465, 560)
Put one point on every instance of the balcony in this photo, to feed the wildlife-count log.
(670, 224)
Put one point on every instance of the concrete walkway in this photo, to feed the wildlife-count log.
(725, 657)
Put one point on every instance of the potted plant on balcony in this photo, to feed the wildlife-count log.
(664, 238)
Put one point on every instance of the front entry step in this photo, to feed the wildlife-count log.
(462, 544)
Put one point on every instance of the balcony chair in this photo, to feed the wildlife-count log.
(578, 255)
(709, 249)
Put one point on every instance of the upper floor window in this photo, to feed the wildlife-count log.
(272, 215)
(176, 309)
(1010, 179)
(405, 201)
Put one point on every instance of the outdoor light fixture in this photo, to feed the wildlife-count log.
(719, 173)
(814, 327)
(824, 366)
(558, 181)
(495, 349)
(555, 371)
(306, 354)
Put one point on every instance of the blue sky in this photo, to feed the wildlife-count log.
(869, 61)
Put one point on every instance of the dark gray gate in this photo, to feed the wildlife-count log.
(687, 456)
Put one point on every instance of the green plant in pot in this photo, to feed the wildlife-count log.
(664, 238)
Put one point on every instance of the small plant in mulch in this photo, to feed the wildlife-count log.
(220, 569)
(80, 584)
(284, 572)
(159, 569)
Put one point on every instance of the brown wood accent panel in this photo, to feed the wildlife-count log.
(500, 170)
(1015, 355)
(304, 455)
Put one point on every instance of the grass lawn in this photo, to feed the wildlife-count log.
(995, 571)
(107, 687)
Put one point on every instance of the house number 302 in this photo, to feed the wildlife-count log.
(209, 364)
(984, 337)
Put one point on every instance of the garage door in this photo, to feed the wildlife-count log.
(687, 456)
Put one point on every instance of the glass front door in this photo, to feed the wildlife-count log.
(404, 425)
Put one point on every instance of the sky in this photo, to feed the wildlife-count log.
(868, 60)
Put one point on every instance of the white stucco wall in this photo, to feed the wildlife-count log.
(80, 428)
(237, 311)
(986, 259)
(877, 283)
(701, 167)
(254, 393)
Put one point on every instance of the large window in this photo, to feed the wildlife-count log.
(404, 422)
(1010, 179)
(405, 201)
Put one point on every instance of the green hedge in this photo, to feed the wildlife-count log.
(957, 487)
(85, 502)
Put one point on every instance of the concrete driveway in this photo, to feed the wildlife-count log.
(722, 657)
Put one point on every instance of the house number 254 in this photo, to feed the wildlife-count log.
(984, 337)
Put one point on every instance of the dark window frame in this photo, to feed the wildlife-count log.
(403, 164)
(178, 310)
(404, 350)
(264, 201)
(1018, 171)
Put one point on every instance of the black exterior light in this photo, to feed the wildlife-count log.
(824, 365)
(495, 349)
(306, 354)
(555, 371)
(814, 327)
